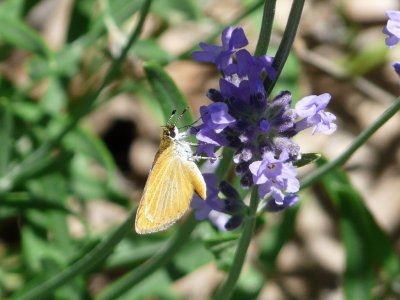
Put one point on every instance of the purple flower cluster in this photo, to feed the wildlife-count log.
(259, 129)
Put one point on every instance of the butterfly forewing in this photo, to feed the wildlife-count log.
(168, 191)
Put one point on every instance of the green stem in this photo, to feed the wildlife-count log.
(266, 27)
(226, 290)
(358, 142)
(286, 44)
(82, 110)
(158, 260)
(86, 263)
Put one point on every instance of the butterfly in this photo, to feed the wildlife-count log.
(173, 179)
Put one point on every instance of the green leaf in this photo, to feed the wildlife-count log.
(36, 249)
(156, 286)
(159, 259)
(122, 10)
(39, 289)
(166, 92)
(368, 248)
(25, 201)
(189, 9)
(306, 159)
(63, 64)
(27, 111)
(84, 142)
(6, 131)
(273, 241)
(129, 252)
(32, 249)
(16, 33)
(89, 148)
(53, 163)
(12, 8)
(84, 181)
(221, 244)
(150, 50)
(192, 256)
(249, 285)
(55, 98)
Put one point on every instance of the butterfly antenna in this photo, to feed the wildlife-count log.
(191, 124)
(171, 116)
(180, 115)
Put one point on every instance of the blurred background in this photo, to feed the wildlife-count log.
(55, 54)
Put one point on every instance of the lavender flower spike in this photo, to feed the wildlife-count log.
(311, 108)
(392, 28)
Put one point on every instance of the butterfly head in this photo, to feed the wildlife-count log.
(170, 131)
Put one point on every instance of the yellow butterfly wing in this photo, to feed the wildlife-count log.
(168, 192)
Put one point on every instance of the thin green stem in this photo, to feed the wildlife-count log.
(286, 44)
(86, 263)
(226, 290)
(154, 263)
(358, 142)
(82, 109)
(266, 27)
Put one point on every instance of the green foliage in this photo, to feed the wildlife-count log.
(368, 249)
(166, 92)
(52, 168)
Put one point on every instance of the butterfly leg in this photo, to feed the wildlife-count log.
(199, 157)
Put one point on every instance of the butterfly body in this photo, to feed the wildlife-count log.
(173, 179)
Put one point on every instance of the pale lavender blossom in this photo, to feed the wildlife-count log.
(275, 175)
(392, 28)
(311, 109)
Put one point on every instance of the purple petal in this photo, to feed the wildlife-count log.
(219, 114)
(393, 27)
(219, 219)
(310, 105)
(288, 201)
(208, 136)
(396, 66)
(391, 41)
(208, 149)
(277, 195)
(393, 15)
(238, 39)
(200, 207)
(226, 36)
